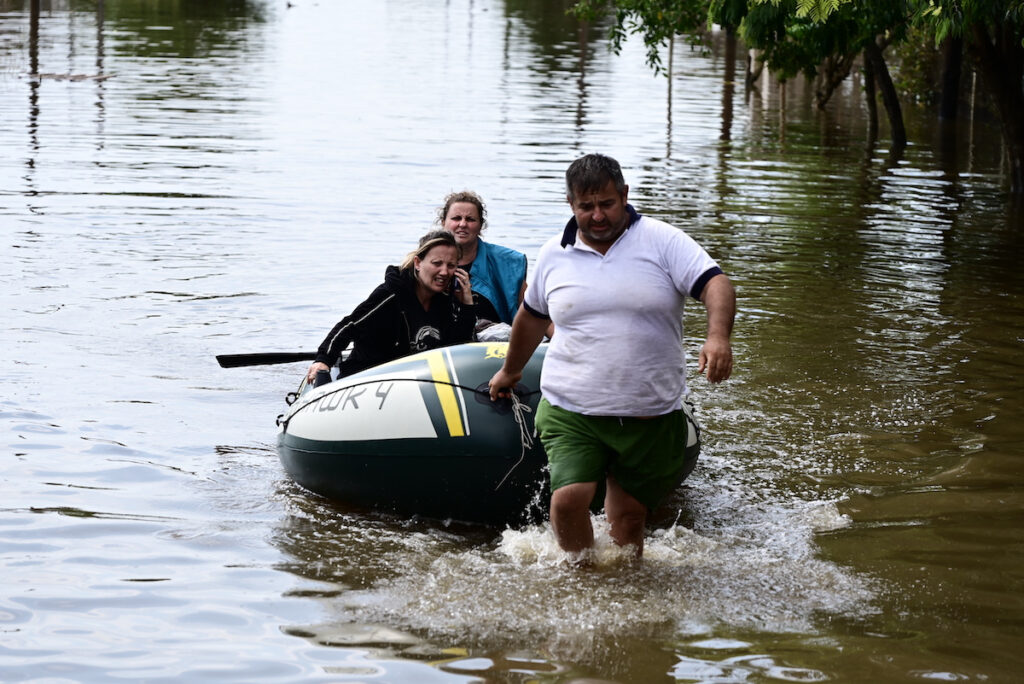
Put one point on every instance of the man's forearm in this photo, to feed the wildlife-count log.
(719, 299)
(527, 332)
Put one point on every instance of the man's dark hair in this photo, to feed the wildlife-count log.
(591, 173)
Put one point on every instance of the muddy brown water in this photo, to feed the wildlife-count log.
(185, 180)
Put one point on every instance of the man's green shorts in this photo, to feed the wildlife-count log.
(648, 457)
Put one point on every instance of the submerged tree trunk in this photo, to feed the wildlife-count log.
(871, 96)
(999, 59)
(952, 60)
(833, 72)
(731, 43)
(729, 84)
(873, 54)
(755, 65)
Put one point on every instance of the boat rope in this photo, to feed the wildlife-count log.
(519, 411)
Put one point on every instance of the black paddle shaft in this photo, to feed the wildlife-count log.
(263, 359)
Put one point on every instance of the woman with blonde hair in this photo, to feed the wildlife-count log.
(424, 303)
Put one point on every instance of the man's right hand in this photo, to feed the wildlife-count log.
(502, 383)
(527, 332)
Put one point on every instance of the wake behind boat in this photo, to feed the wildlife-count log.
(420, 436)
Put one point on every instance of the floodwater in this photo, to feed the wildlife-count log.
(186, 179)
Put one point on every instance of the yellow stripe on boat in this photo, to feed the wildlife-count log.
(445, 392)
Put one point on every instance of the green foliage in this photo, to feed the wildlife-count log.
(771, 28)
(655, 20)
(798, 36)
(728, 13)
(919, 65)
(952, 17)
(814, 10)
(795, 37)
(824, 37)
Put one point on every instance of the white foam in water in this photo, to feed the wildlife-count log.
(757, 571)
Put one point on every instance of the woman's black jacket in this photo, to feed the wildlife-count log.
(392, 323)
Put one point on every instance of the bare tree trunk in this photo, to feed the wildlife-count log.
(581, 82)
(1000, 62)
(952, 60)
(671, 56)
(871, 96)
(728, 85)
(873, 54)
(832, 73)
(782, 111)
(754, 68)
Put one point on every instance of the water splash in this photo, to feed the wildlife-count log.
(763, 577)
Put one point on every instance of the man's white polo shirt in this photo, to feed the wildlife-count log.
(617, 348)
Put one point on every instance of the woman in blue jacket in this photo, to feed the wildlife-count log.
(498, 273)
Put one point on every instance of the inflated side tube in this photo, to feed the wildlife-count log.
(420, 436)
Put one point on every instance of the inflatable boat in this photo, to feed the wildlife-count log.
(421, 436)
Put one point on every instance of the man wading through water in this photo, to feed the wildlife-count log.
(614, 376)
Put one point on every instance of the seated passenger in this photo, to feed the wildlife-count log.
(498, 273)
(425, 303)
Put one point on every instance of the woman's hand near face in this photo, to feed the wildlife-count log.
(311, 373)
(463, 291)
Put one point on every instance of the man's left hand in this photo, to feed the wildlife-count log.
(716, 359)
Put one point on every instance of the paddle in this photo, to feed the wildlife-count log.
(264, 359)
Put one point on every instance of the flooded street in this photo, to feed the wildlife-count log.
(182, 180)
